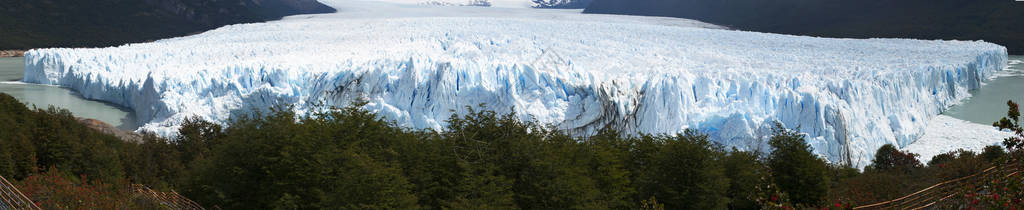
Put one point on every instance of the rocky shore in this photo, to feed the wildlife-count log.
(103, 127)
(12, 53)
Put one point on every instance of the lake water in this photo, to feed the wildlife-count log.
(989, 104)
(43, 96)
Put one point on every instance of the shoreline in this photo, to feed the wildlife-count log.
(105, 128)
(12, 53)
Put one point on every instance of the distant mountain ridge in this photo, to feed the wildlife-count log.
(549, 4)
(100, 23)
(562, 4)
(997, 21)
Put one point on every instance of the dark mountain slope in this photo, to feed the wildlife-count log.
(997, 21)
(562, 4)
(28, 24)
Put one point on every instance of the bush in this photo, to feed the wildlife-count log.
(54, 189)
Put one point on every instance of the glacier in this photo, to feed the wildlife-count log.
(417, 64)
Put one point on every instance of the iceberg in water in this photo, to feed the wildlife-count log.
(580, 73)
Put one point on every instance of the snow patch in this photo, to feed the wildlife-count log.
(946, 134)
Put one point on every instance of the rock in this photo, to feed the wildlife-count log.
(105, 128)
(12, 53)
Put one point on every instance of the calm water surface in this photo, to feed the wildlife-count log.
(989, 104)
(43, 96)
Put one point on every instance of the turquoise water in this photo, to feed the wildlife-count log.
(989, 104)
(43, 96)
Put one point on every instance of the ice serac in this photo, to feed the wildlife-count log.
(577, 72)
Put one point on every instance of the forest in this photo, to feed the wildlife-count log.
(349, 158)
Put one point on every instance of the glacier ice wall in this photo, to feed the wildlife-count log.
(579, 74)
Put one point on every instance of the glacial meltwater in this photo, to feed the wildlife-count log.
(988, 104)
(43, 96)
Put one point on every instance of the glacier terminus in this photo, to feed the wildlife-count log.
(416, 64)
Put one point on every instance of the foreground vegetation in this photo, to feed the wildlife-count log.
(349, 158)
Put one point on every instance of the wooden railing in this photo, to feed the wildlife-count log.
(930, 196)
(12, 198)
(171, 199)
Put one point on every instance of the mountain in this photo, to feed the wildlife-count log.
(102, 23)
(552, 4)
(997, 21)
(562, 4)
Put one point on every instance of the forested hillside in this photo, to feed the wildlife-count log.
(29, 24)
(997, 21)
(349, 158)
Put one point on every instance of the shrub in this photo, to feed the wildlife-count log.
(54, 189)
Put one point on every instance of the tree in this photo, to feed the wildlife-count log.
(1012, 122)
(795, 169)
(941, 159)
(196, 138)
(744, 171)
(888, 157)
(275, 161)
(686, 172)
(991, 153)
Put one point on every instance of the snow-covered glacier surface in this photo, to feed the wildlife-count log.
(947, 134)
(415, 64)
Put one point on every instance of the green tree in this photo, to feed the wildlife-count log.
(888, 157)
(315, 162)
(609, 153)
(196, 138)
(1012, 122)
(744, 171)
(795, 169)
(991, 153)
(686, 172)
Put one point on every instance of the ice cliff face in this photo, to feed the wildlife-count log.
(577, 72)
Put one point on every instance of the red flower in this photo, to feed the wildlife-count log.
(775, 198)
(995, 196)
(839, 205)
